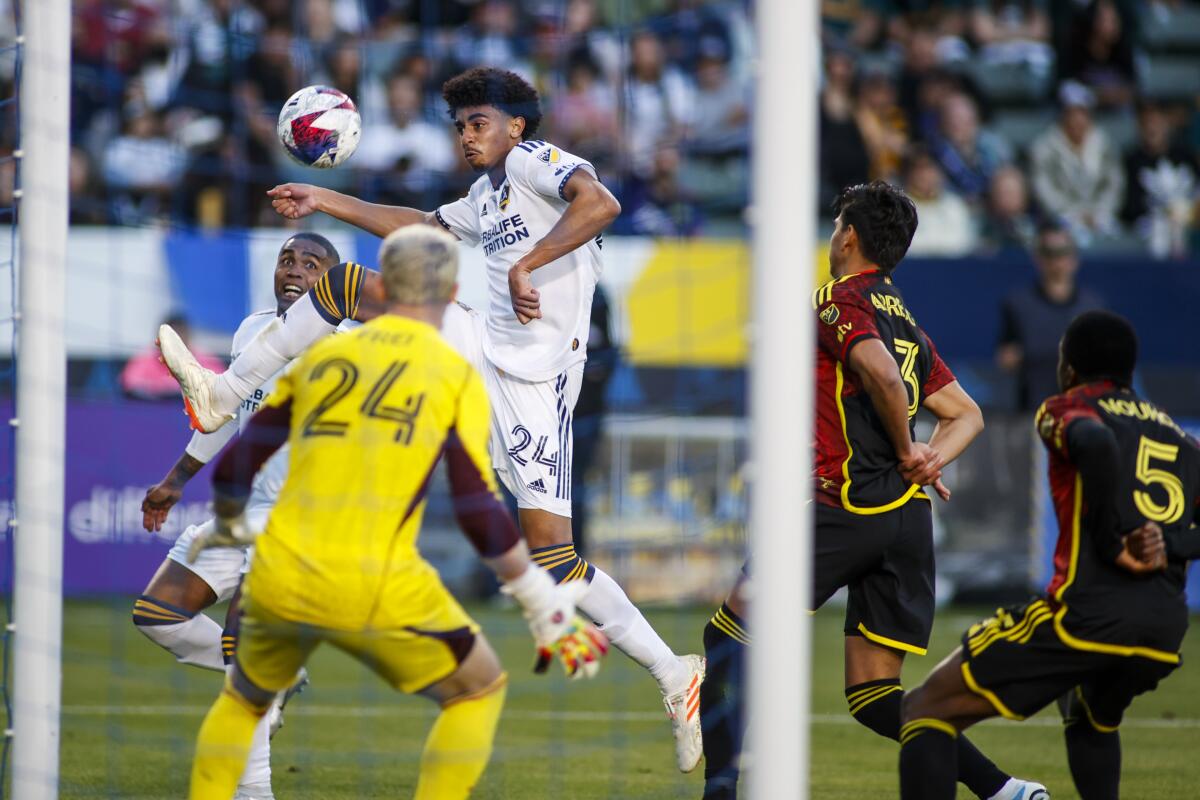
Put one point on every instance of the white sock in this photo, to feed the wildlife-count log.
(275, 345)
(609, 607)
(256, 778)
(196, 641)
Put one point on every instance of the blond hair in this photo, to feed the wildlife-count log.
(419, 266)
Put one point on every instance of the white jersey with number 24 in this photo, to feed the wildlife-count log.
(506, 221)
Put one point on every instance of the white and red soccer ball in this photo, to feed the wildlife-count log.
(319, 126)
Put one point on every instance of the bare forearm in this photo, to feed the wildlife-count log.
(184, 470)
(952, 436)
(371, 217)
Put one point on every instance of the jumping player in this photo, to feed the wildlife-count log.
(338, 561)
(875, 368)
(1123, 477)
(538, 213)
(169, 611)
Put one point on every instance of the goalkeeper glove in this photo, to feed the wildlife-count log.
(557, 630)
(227, 532)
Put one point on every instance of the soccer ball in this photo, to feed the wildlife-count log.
(319, 126)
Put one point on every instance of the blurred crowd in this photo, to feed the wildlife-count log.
(995, 114)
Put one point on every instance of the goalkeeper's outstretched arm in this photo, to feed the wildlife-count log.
(297, 200)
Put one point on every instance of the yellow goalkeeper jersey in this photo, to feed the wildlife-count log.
(371, 412)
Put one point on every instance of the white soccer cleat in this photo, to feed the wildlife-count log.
(195, 382)
(683, 708)
(275, 714)
(1018, 789)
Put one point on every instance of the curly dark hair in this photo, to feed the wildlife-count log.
(884, 218)
(1101, 345)
(488, 86)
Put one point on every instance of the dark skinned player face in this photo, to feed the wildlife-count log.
(1066, 373)
(486, 135)
(300, 263)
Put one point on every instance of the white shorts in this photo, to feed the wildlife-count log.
(220, 567)
(531, 421)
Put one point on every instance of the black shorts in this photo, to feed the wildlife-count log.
(886, 560)
(1017, 662)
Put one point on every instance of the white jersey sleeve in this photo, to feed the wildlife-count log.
(460, 218)
(544, 167)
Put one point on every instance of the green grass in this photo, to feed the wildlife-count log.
(130, 715)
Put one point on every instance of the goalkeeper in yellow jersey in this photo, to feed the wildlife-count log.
(368, 415)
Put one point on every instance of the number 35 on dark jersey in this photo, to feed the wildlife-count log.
(855, 463)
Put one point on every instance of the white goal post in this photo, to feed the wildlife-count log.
(781, 401)
(40, 402)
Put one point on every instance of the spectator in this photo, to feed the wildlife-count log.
(146, 377)
(583, 34)
(883, 125)
(1009, 224)
(655, 205)
(1076, 171)
(143, 167)
(1099, 54)
(1034, 317)
(657, 103)
(1012, 32)
(967, 155)
(946, 227)
(86, 207)
(943, 18)
(856, 23)
(406, 154)
(690, 28)
(844, 158)
(584, 116)
(720, 123)
(1160, 184)
(490, 40)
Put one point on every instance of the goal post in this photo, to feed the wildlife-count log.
(40, 401)
(781, 402)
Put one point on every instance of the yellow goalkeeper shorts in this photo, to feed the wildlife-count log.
(271, 649)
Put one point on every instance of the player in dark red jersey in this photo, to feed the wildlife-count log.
(875, 369)
(1125, 481)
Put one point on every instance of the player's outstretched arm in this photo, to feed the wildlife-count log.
(297, 200)
(590, 209)
(879, 375)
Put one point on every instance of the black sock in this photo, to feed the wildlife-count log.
(1094, 756)
(927, 762)
(722, 703)
(876, 704)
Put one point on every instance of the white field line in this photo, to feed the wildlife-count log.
(313, 710)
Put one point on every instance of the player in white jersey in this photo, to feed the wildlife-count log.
(538, 213)
(170, 610)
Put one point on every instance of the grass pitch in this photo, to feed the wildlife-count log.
(131, 715)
